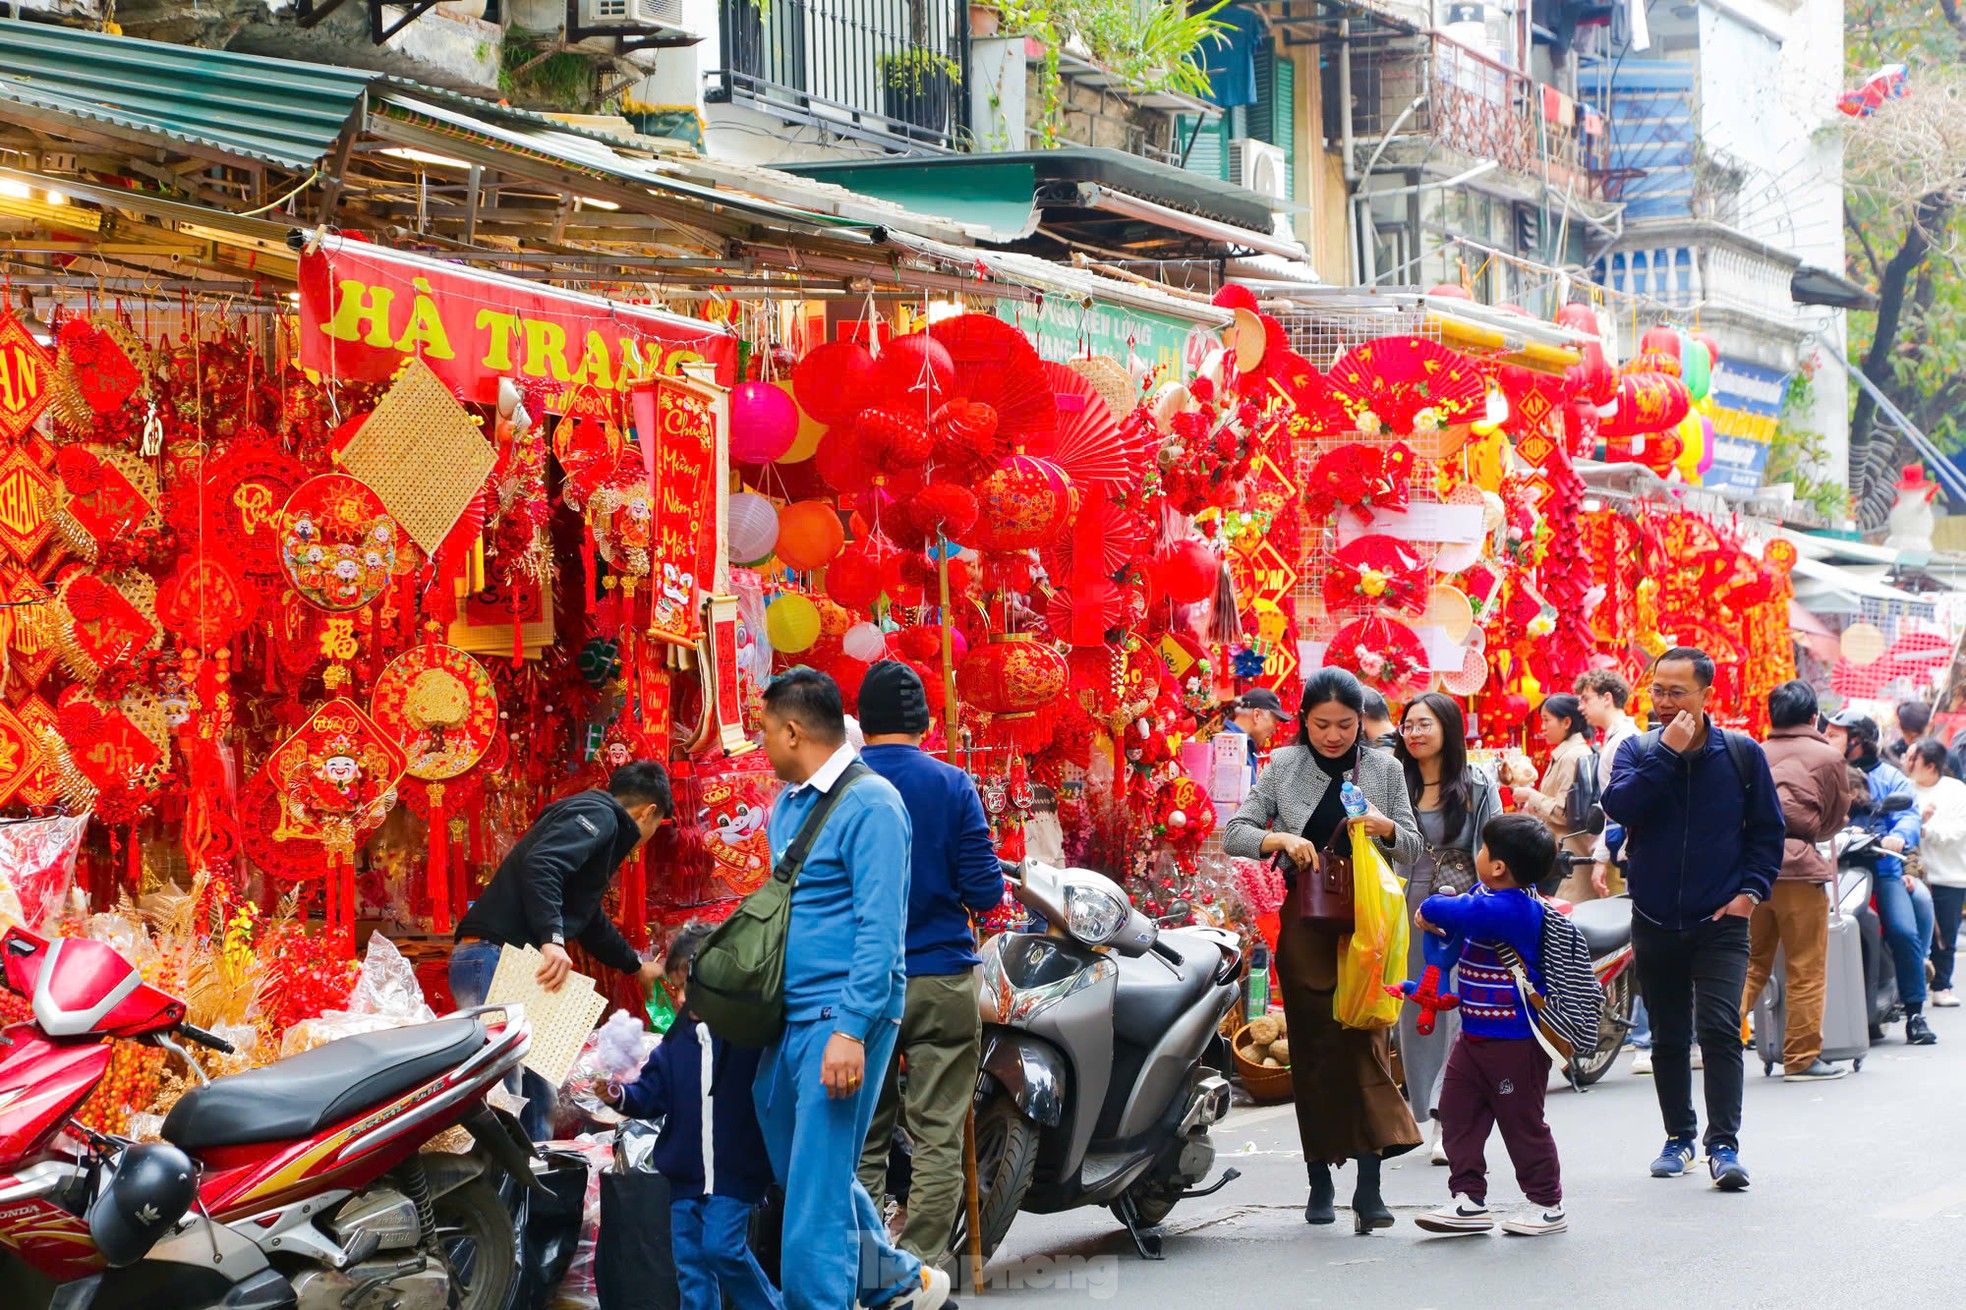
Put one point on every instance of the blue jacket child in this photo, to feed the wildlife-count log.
(1485, 921)
(713, 1155)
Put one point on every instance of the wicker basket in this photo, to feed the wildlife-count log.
(1264, 1085)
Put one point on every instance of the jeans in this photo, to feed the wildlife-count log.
(1640, 1035)
(1499, 1084)
(1692, 979)
(710, 1236)
(836, 1248)
(1947, 902)
(472, 966)
(1905, 907)
(941, 1039)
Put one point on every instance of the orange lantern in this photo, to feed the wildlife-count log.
(1025, 502)
(809, 534)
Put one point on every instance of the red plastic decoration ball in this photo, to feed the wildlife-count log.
(1450, 291)
(764, 422)
(834, 380)
(809, 535)
(841, 463)
(854, 579)
(1186, 572)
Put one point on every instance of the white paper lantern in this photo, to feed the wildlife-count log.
(864, 642)
(753, 528)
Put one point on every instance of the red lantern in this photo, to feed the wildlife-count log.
(1647, 402)
(809, 535)
(1185, 572)
(915, 373)
(891, 440)
(1661, 341)
(1013, 676)
(854, 579)
(1024, 502)
(834, 380)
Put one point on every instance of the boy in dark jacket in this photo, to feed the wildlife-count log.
(710, 1150)
(1497, 1073)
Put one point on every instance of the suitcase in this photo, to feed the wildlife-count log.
(1846, 1008)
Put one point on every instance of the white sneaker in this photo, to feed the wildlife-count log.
(1945, 1000)
(931, 1295)
(1435, 1151)
(1642, 1061)
(1535, 1221)
(1458, 1216)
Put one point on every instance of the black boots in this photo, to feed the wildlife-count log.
(1318, 1210)
(1368, 1207)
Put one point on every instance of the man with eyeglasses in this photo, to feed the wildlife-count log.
(1703, 840)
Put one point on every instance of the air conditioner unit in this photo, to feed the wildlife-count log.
(632, 15)
(1264, 169)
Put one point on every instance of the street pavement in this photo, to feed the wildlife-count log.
(1858, 1199)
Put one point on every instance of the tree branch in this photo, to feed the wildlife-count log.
(1857, 229)
(1934, 209)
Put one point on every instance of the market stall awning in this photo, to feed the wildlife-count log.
(278, 111)
(1828, 589)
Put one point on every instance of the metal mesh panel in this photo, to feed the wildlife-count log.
(1321, 335)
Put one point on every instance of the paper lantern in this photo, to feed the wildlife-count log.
(1663, 341)
(834, 380)
(864, 642)
(792, 623)
(1707, 444)
(1647, 402)
(809, 534)
(854, 579)
(753, 528)
(1024, 502)
(1012, 676)
(1692, 446)
(915, 373)
(811, 431)
(892, 440)
(1695, 367)
(840, 462)
(764, 422)
(1185, 572)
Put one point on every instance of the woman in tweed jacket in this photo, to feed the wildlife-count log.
(1348, 1106)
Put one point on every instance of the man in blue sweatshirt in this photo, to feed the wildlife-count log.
(954, 873)
(844, 989)
(1703, 837)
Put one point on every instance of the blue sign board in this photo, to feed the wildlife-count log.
(1746, 400)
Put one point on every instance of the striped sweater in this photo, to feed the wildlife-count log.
(1486, 921)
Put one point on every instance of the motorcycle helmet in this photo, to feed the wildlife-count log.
(1861, 727)
(149, 1190)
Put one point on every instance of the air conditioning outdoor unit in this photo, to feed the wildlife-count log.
(1264, 169)
(632, 15)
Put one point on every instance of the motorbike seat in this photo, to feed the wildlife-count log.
(1605, 925)
(297, 1097)
(1154, 991)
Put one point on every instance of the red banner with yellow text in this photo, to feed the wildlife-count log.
(364, 309)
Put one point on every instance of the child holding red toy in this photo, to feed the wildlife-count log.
(1498, 1073)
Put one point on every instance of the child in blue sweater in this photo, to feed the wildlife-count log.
(1497, 1073)
(710, 1149)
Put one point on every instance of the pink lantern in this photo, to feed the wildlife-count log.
(1706, 453)
(764, 422)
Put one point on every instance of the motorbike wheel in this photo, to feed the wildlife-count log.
(474, 1231)
(1611, 1031)
(1006, 1159)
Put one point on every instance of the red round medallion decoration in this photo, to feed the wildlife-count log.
(206, 602)
(1025, 502)
(237, 504)
(337, 542)
(439, 704)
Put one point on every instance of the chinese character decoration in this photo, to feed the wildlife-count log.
(105, 507)
(440, 706)
(681, 421)
(103, 624)
(101, 365)
(335, 780)
(26, 378)
(234, 509)
(206, 602)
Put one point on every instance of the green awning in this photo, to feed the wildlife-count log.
(999, 195)
(279, 111)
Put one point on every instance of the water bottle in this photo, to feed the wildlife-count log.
(1354, 799)
(1256, 997)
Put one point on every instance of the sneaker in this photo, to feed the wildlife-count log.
(1436, 1151)
(1458, 1216)
(933, 1294)
(1919, 1033)
(1535, 1221)
(1819, 1072)
(1945, 1000)
(1642, 1061)
(1729, 1174)
(1673, 1158)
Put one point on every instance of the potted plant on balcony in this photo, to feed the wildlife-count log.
(918, 87)
(985, 20)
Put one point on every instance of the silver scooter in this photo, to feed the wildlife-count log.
(1093, 1090)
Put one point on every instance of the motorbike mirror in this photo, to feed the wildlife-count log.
(1895, 804)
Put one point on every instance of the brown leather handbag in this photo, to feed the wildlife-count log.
(1325, 895)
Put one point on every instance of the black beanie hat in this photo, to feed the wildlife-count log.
(892, 700)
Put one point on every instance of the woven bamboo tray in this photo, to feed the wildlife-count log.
(1264, 1085)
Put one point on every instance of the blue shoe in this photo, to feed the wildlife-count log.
(1729, 1174)
(1674, 1159)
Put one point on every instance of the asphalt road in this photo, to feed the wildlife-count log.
(1858, 1199)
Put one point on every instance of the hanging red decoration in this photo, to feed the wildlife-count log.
(914, 374)
(966, 437)
(1185, 571)
(892, 440)
(996, 365)
(834, 380)
(337, 543)
(1016, 679)
(1091, 446)
(1384, 653)
(1375, 571)
(1647, 403)
(842, 463)
(206, 602)
(235, 509)
(27, 377)
(854, 578)
(1025, 502)
(1360, 478)
(1409, 384)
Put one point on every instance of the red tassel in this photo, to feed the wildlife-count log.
(440, 876)
(588, 566)
(460, 871)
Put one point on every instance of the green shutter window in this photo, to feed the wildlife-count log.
(1262, 114)
(1283, 119)
(1208, 156)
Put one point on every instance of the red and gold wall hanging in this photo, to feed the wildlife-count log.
(337, 542)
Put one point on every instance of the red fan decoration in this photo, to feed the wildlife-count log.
(1384, 653)
(1099, 603)
(1409, 384)
(1376, 571)
(1093, 448)
(1361, 478)
(996, 365)
(1118, 536)
(1318, 407)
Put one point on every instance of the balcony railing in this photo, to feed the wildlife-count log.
(1483, 109)
(891, 72)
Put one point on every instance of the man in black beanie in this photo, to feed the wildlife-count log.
(954, 875)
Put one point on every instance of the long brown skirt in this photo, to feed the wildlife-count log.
(1347, 1102)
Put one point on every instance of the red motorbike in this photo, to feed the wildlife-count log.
(298, 1186)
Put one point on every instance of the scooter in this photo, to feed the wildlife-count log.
(297, 1186)
(1606, 927)
(1093, 1090)
(1857, 851)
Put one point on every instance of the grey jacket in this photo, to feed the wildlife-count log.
(1485, 803)
(1293, 784)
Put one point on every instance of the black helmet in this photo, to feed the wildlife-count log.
(152, 1186)
(1861, 727)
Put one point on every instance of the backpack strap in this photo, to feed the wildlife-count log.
(787, 869)
(1737, 750)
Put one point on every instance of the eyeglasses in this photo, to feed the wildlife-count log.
(1418, 725)
(1675, 693)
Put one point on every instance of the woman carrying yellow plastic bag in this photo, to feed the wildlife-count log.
(1374, 955)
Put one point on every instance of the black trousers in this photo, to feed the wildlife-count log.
(1692, 979)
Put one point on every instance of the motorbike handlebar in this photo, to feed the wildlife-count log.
(1008, 868)
(203, 1038)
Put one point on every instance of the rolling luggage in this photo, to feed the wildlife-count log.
(1846, 1009)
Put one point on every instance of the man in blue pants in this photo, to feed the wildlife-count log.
(845, 986)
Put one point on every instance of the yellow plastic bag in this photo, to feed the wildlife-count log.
(1373, 957)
